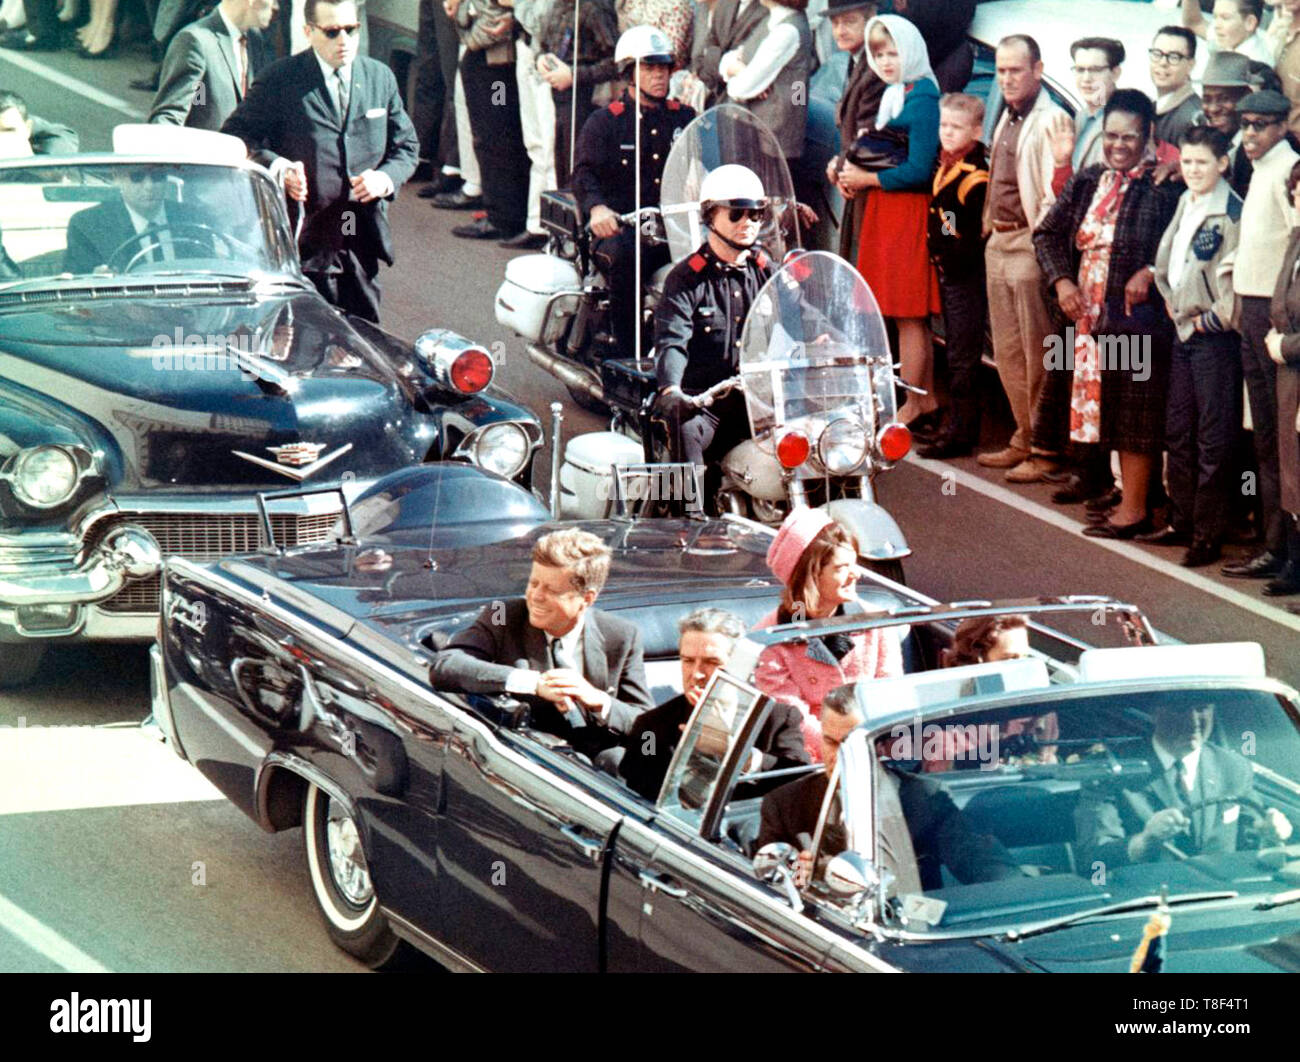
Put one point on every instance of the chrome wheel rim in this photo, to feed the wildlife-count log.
(347, 861)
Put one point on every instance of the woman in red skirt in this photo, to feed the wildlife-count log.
(892, 255)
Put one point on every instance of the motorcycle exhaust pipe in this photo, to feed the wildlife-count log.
(580, 379)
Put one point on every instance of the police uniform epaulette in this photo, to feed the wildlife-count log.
(674, 105)
(616, 108)
(697, 262)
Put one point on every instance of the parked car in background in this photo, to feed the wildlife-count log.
(297, 681)
(151, 386)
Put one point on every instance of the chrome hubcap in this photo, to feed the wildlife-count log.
(347, 860)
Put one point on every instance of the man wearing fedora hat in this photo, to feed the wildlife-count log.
(1265, 229)
(856, 111)
(1225, 83)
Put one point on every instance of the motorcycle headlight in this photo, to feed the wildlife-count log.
(44, 476)
(500, 448)
(842, 446)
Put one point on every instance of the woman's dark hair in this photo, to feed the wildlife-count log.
(1292, 179)
(1136, 103)
(797, 5)
(976, 636)
(801, 596)
(1206, 136)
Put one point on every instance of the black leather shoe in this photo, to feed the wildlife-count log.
(146, 84)
(1261, 566)
(20, 40)
(1076, 490)
(1106, 529)
(926, 423)
(1201, 552)
(1102, 502)
(457, 200)
(1286, 583)
(524, 241)
(445, 184)
(482, 229)
(1060, 474)
(944, 448)
(1166, 536)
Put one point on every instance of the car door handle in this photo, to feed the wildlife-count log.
(660, 883)
(591, 847)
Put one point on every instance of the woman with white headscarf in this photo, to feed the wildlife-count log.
(893, 166)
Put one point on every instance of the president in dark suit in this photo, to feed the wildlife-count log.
(330, 124)
(583, 668)
(707, 637)
(211, 63)
(937, 831)
(1190, 801)
(115, 228)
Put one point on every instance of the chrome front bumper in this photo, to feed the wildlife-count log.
(126, 553)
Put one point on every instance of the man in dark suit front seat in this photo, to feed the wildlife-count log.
(707, 637)
(211, 63)
(584, 666)
(330, 125)
(1191, 801)
(920, 829)
(95, 235)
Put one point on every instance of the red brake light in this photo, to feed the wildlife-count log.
(792, 449)
(471, 371)
(894, 442)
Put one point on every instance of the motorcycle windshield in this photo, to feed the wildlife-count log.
(814, 348)
(721, 136)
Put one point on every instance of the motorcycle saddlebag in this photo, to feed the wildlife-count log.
(534, 282)
(624, 384)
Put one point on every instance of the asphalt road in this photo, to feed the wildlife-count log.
(117, 855)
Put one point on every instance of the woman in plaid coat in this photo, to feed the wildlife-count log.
(1097, 249)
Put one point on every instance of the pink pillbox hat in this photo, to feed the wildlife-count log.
(798, 531)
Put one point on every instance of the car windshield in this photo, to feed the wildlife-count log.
(139, 219)
(1065, 802)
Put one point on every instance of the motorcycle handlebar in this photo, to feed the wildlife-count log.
(706, 398)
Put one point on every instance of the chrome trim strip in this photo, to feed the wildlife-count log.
(305, 770)
(439, 951)
(162, 709)
(488, 735)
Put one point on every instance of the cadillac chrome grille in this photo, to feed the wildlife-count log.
(203, 537)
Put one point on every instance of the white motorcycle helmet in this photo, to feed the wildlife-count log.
(731, 186)
(644, 43)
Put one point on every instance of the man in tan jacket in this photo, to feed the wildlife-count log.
(1019, 195)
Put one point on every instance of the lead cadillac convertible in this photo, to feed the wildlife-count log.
(297, 681)
(153, 382)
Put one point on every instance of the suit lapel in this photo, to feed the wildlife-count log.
(324, 97)
(594, 662)
(355, 88)
(1209, 785)
(226, 46)
(535, 646)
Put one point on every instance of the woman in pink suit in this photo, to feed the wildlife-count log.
(816, 559)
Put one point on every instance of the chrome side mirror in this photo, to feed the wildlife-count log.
(776, 863)
(852, 876)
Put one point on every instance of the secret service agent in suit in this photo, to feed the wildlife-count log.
(699, 320)
(211, 63)
(938, 831)
(1192, 800)
(603, 175)
(731, 23)
(584, 664)
(110, 231)
(330, 124)
(707, 638)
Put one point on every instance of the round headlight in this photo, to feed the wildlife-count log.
(45, 476)
(501, 448)
(842, 446)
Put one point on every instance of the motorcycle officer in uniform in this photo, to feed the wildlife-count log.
(606, 159)
(699, 319)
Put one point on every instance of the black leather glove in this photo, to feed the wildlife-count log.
(673, 404)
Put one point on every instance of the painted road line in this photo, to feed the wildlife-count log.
(38, 69)
(36, 935)
(1057, 519)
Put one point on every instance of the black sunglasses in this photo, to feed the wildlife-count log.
(752, 213)
(1259, 124)
(333, 31)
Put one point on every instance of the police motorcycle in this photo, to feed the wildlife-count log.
(558, 301)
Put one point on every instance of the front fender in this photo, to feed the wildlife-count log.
(878, 534)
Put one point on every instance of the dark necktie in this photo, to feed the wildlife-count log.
(343, 94)
(562, 658)
(243, 64)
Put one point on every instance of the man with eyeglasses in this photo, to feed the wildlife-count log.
(698, 321)
(1235, 27)
(1266, 221)
(1096, 69)
(1172, 55)
(329, 124)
